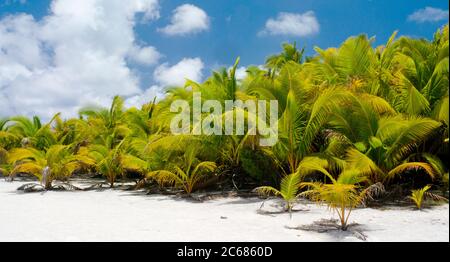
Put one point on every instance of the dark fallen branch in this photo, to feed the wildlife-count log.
(31, 187)
(372, 192)
(142, 183)
(66, 187)
(35, 187)
(435, 197)
(97, 186)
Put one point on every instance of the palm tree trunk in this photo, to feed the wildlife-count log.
(110, 179)
(289, 206)
(46, 180)
(343, 220)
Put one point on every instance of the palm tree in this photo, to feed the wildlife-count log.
(289, 188)
(421, 194)
(32, 132)
(224, 80)
(289, 53)
(306, 110)
(3, 122)
(188, 175)
(423, 78)
(382, 111)
(418, 196)
(142, 122)
(223, 86)
(7, 139)
(57, 163)
(114, 161)
(107, 123)
(353, 65)
(342, 194)
(73, 131)
(5, 168)
(382, 144)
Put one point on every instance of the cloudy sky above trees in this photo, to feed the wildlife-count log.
(59, 55)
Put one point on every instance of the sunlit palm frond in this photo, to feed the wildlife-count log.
(290, 185)
(165, 177)
(312, 164)
(361, 162)
(330, 100)
(351, 177)
(413, 132)
(28, 168)
(411, 166)
(207, 166)
(131, 162)
(267, 190)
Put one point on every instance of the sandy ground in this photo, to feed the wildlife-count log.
(116, 215)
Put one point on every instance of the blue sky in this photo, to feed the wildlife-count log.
(236, 23)
(220, 31)
(338, 20)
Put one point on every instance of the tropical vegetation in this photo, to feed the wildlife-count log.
(349, 117)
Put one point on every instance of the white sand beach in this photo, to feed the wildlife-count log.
(117, 215)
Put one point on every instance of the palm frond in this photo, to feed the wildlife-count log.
(361, 162)
(411, 166)
(267, 191)
(290, 185)
(164, 177)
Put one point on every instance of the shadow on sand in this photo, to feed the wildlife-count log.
(334, 229)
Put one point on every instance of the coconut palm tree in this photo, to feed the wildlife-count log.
(421, 194)
(305, 112)
(57, 163)
(422, 80)
(353, 65)
(341, 195)
(107, 124)
(290, 53)
(73, 131)
(224, 86)
(32, 132)
(224, 80)
(8, 140)
(5, 168)
(382, 142)
(187, 175)
(3, 122)
(289, 188)
(141, 121)
(113, 161)
(380, 110)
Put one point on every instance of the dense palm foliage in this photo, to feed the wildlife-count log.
(374, 114)
(58, 162)
(188, 176)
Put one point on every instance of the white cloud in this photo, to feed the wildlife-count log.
(145, 96)
(176, 75)
(241, 72)
(428, 14)
(76, 55)
(144, 55)
(186, 19)
(292, 24)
